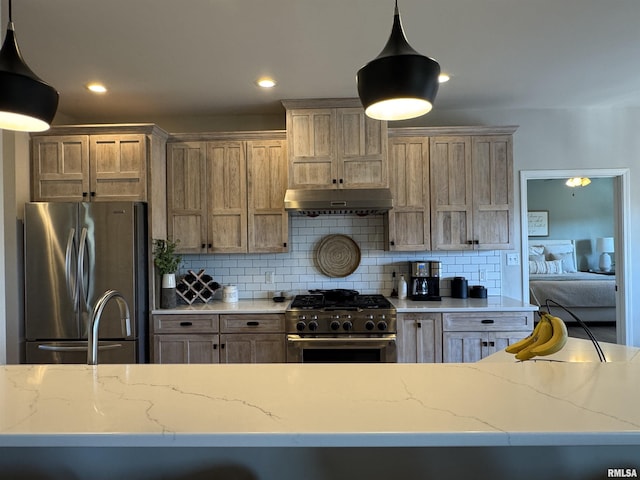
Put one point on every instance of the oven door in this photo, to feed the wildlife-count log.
(344, 349)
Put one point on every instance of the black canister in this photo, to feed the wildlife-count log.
(459, 287)
(478, 291)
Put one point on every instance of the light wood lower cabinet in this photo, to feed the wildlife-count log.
(469, 337)
(419, 338)
(237, 338)
(186, 339)
(251, 338)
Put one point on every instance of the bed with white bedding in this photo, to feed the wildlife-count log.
(552, 275)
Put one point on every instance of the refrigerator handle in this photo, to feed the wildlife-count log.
(82, 283)
(69, 274)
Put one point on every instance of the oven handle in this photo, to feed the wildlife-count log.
(342, 341)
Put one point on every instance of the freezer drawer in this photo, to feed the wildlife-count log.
(123, 351)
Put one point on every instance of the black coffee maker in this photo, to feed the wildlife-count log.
(425, 280)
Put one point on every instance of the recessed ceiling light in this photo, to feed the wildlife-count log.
(96, 88)
(443, 78)
(266, 82)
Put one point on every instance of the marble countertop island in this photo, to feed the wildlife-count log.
(499, 403)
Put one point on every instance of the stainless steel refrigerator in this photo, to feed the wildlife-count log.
(74, 252)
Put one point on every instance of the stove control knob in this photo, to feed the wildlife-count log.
(382, 325)
(369, 325)
(335, 325)
(347, 325)
(313, 325)
(300, 326)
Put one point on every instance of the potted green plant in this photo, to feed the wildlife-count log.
(167, 263)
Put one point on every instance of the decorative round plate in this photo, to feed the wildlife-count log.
(337, 256)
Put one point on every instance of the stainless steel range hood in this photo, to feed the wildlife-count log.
(369, 201)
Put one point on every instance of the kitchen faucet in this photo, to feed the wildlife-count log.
(94, 322)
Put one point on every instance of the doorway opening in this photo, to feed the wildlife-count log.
(621, 213)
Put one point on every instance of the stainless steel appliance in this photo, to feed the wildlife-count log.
(341, 326)
(425, 280)
(74, 252)
(361, 201)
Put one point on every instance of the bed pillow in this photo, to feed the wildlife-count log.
(545, 266)
(536, 258)
(557, 249)
(568, 264)
(536, 249)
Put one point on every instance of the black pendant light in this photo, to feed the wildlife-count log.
(27, 104)
(399, 83)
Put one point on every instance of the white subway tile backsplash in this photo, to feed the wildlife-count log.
(295, 272)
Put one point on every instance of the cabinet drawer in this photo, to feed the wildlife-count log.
(487, 321)
(247, 323)
(185, 324)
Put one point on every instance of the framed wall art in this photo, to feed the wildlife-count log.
(538, 222)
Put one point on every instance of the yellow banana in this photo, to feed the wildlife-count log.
(525, 342)
(545, 333)
(557, 340)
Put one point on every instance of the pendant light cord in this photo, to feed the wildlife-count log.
(10, 17)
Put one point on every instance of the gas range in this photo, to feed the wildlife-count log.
(340, 312)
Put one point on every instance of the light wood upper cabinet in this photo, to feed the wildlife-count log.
(90, 167)
(362, 150)
(333, 144)
(227, 195)
(268, 222)
(471, 192)
(118, 167)
(408, 227)
(186, 195)
(60, 168)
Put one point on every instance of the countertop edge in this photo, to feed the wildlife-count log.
(333, 439)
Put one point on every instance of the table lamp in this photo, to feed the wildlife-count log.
(605, 245)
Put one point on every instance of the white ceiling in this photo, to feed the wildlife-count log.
(201, 57)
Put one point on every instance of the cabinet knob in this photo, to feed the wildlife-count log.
(419, 324)
(485, 344)
(469, 242)
(476, 242)
(222, 346)
(335, 181)
(392, 243)
(215, 346)
(341, 181)
(284, 244)
(93, 194)
(85, 194)
(203, 245)
(210, 245)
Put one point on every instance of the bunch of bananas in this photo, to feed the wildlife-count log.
(549, 336)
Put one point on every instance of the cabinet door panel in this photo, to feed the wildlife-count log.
(118, 167)
(419, 338)
(362, 149)
(186, 349)
(493, 192)
(253, 348)
(409, 220)
(186, 200)
(462, 347)
(267, 170)
(451, 193)
(312, 148)
(60, 168)
(226, 197)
